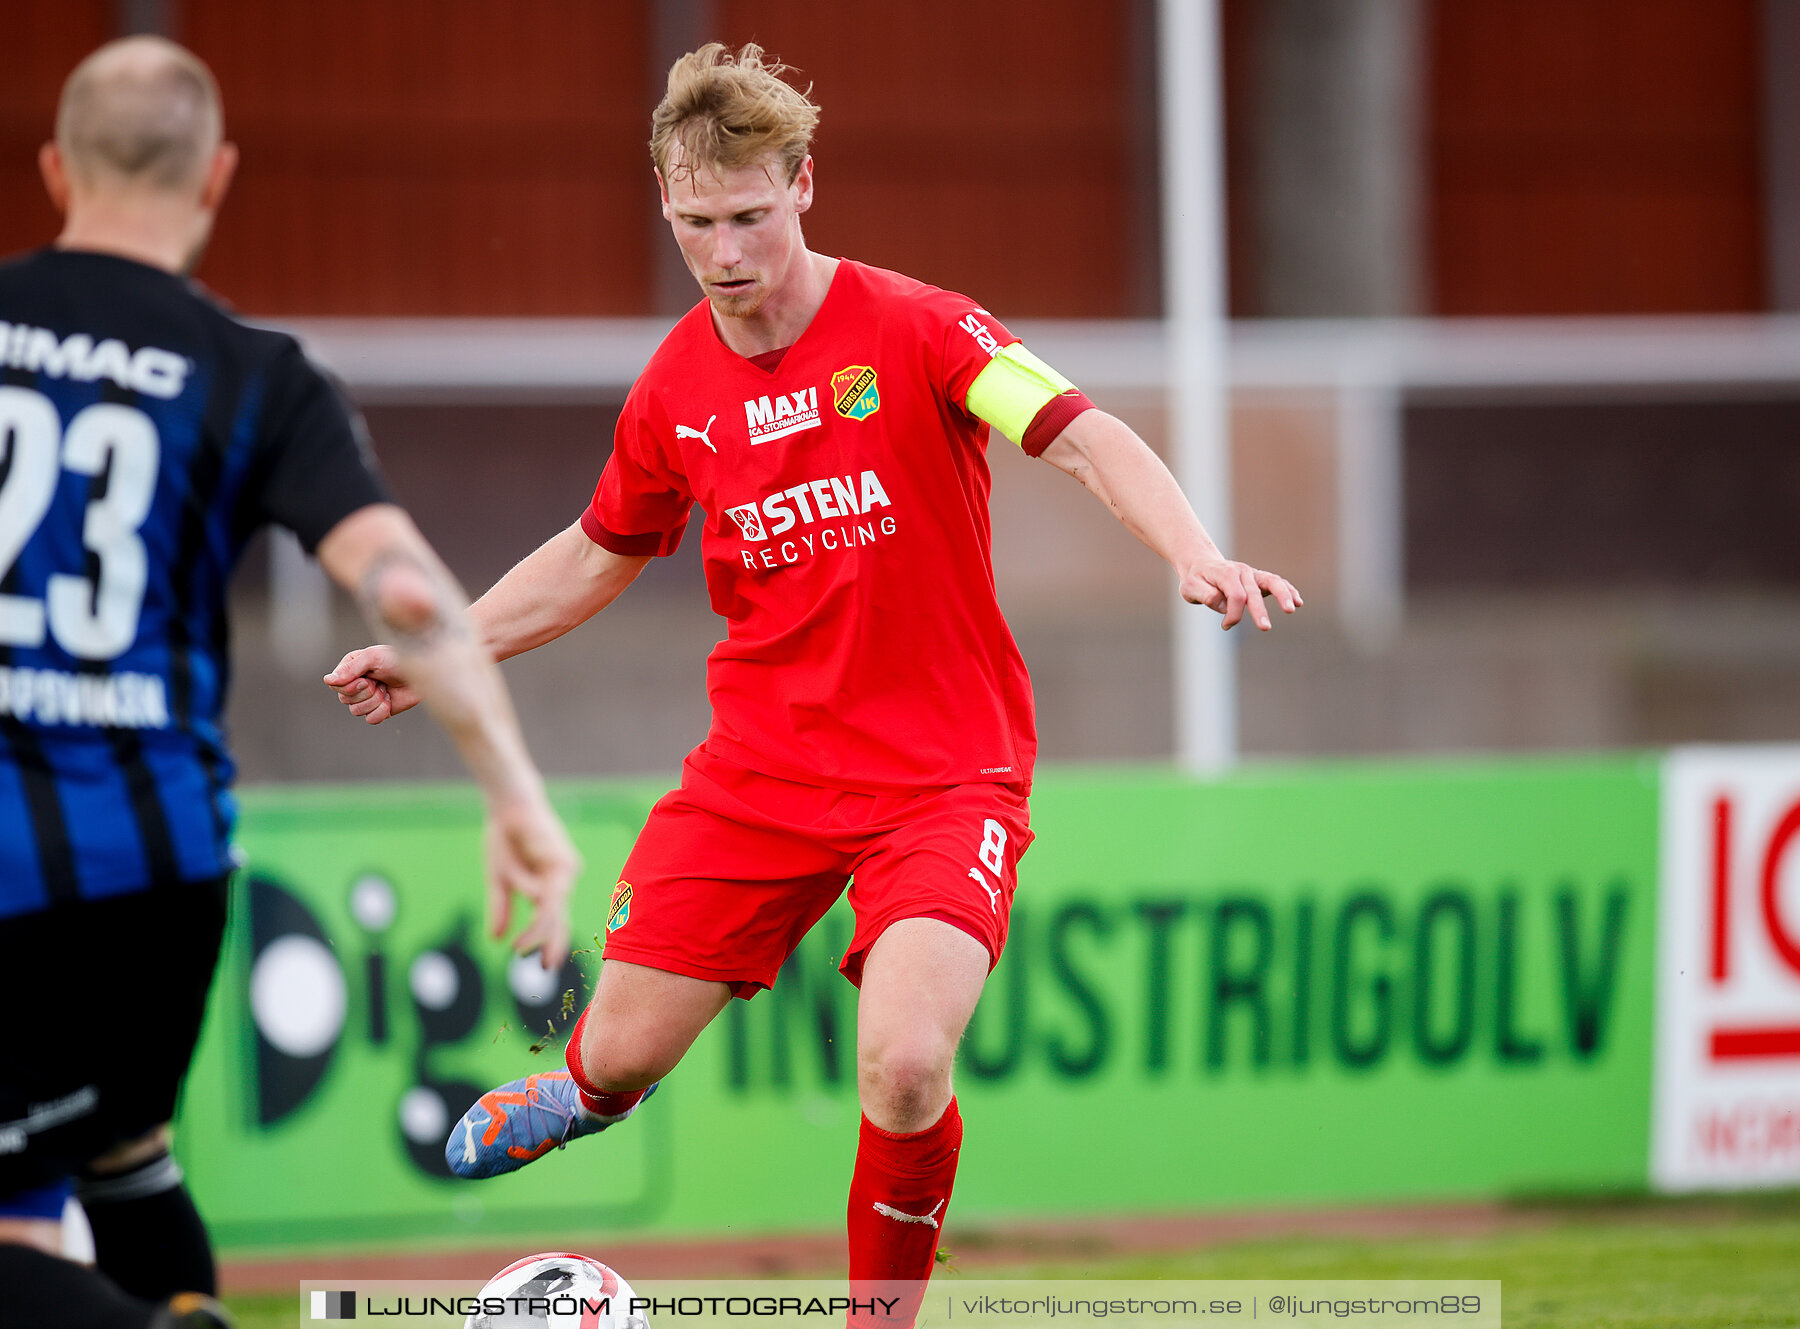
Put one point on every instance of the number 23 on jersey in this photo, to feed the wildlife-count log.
(90, 618)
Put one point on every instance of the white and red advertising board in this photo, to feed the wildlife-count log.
(1726, 1111)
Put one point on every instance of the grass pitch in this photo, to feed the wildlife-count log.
(1657, 1268)
(1724, 1264)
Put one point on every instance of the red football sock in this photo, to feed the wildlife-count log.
(898, 1197)
(601, 1102)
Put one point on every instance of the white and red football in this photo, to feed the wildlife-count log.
(557, 1290)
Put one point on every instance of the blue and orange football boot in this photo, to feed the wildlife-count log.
(520, 1122)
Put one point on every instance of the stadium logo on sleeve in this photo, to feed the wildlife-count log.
(770, 418)
(854, 392)
(620, 913)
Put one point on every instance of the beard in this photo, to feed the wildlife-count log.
(741, 304)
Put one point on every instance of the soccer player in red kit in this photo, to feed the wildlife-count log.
(872, 718)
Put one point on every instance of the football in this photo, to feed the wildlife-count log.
(556, 1291)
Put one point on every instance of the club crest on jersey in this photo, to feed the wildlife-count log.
(620, 913)
(749, 521)
(770, 418)
(854, 392)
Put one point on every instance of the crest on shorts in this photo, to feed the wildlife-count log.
(620, 913)
(854, 391)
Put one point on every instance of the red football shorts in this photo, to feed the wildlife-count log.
(734, 867)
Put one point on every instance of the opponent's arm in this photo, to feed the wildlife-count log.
(559, 586)
(1120, 470)
(409, 598)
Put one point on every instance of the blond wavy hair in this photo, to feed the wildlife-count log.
(726, 109)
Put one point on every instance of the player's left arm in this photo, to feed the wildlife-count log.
(411, 600)
(315, 474)
(1049, 417)
(1120, 470)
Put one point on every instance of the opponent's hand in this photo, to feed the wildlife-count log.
(530, 855)
(369, 683)
(1234, 589)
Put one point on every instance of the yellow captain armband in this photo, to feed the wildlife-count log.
(1010, 392)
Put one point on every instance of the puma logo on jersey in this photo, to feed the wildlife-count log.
(929, 1219)
(688, 431)
(770, 418)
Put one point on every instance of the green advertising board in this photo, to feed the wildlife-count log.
(1344, 985)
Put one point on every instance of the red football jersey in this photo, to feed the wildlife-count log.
(846, 540)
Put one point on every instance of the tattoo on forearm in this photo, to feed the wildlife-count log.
(410, 602)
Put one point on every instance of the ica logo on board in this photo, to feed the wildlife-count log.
(1727, 1088)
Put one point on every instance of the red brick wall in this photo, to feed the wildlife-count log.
(431, 156)
(424, 157)
(42, 43)
(467, 157)
(982, 147)
(1594, 157)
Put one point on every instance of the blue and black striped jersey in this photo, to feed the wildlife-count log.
(145, 435)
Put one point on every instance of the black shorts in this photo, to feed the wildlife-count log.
(103, 1001)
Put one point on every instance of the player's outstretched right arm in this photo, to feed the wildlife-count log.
(409, 597)
(558, 586)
